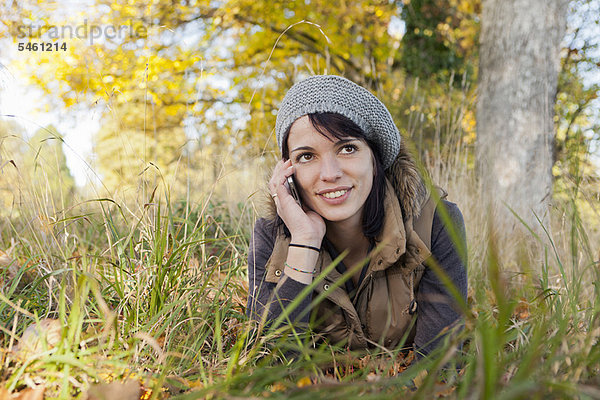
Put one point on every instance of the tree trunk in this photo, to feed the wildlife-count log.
(518, 71)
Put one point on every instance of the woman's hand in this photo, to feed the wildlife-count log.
(305, 226)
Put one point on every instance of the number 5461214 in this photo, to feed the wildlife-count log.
(44, 46)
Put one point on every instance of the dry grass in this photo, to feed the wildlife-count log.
(151, 287)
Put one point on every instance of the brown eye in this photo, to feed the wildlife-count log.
(348, 149)
(304, 157)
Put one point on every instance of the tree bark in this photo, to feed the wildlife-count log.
(518, 72)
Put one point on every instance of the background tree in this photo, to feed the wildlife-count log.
(440, 37)
(207, 78)
(518, 74)
(578, 102)
(204, 66)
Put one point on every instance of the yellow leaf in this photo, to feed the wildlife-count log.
(305, 381)
(466, 7)
(420, 378)
(277, 387)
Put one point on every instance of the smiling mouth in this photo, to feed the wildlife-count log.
(335, 195)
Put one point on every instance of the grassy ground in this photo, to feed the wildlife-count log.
(147, 299)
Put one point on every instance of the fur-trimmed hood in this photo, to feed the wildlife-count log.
(404, 177)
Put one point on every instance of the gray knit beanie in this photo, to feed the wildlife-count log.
(332, 93)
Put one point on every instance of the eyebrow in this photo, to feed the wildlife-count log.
(338, 143)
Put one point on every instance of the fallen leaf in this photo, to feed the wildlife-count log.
(420, 378)
(32, 341)
(373, 377)
(128, 390)
(305, 381)
(522, 310)
(75, 255)
(442, 390)
(31, 394)
(277, 387)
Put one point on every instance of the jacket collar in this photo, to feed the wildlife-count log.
(390, 244)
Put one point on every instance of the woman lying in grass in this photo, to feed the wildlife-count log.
(359, 194)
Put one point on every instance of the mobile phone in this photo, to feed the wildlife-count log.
(293, 190)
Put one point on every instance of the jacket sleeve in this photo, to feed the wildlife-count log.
(267, 297)
(436, 307)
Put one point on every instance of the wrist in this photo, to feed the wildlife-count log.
(299, 274)
(307, 240)
(305, 246)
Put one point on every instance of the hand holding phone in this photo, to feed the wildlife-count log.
(304, 224)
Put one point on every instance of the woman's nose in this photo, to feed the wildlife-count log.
(330, 169)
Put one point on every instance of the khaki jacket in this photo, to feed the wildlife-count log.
(384, 307)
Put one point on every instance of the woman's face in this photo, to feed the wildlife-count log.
(335, 176)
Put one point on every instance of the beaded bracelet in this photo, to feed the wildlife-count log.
(299, 270)
(305, 246)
